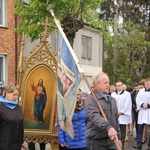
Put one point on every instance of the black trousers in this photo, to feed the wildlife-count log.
(123, 133)
(136, 122)
(100, 144)
(62, 148)
(31, 146)
(65, 148)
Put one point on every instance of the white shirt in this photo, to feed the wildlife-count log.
(124, 105)
(144, 114)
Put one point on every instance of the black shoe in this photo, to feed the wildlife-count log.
(131, 134)
(144, 141)
(138, 147)
(135, 138)
(128, 133)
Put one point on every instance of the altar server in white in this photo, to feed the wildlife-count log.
(143, 105)
(124, 105)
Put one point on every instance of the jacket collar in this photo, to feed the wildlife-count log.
(119, 93)
(99, 95)
(147, 90)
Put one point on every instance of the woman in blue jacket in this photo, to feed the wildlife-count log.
(79, 126)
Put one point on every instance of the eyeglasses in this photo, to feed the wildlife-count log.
(118, 85)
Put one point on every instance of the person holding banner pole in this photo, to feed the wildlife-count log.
(111, 129)
(102, 132)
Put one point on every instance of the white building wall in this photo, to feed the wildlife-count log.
(91, 67)
(97, 49)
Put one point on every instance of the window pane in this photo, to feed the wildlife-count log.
(83, 47)
(25, 1)
(1, 68)
(89, 48)
(86, 47)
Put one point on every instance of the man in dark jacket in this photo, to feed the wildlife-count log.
(99, 132)
(134, 106)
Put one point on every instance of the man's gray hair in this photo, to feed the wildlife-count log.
(97, 78)
(113, 86)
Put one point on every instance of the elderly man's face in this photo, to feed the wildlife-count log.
(112, 89)
(103, 84)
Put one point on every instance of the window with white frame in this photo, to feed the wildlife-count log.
(3, 13)
(86, 52)
(2, 68)
(25, 1)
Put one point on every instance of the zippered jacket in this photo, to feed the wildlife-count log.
(97, 126)
(79, 126)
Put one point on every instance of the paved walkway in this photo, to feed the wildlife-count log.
(128, 144)
(37, 147)
(131, 142)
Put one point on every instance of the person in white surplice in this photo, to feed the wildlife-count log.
(143, 105)
(124, 105)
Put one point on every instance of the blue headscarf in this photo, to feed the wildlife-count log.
(7, 103)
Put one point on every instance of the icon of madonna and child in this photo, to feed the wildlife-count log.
(40, 99)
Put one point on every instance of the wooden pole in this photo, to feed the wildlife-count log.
(24, 147)
(99, 106)
(79, 68)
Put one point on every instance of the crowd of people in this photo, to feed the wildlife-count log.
(102, 120)
(126, 108)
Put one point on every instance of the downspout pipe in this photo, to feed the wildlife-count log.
(16, 49)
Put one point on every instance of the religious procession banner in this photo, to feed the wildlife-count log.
(69, 81)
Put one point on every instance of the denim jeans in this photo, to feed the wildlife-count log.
(140, 133)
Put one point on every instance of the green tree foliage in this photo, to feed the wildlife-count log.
(130, 49)
(137, 11)
(72, 15)
(126, 45)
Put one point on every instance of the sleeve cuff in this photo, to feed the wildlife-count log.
(108, 127)
(142, 105)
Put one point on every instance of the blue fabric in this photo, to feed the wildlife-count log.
(79, 126)
(104, 95)
(39, 105)
(7, 103)
(67, 60)
(140, 133)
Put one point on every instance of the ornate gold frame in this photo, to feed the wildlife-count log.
(40, 59)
